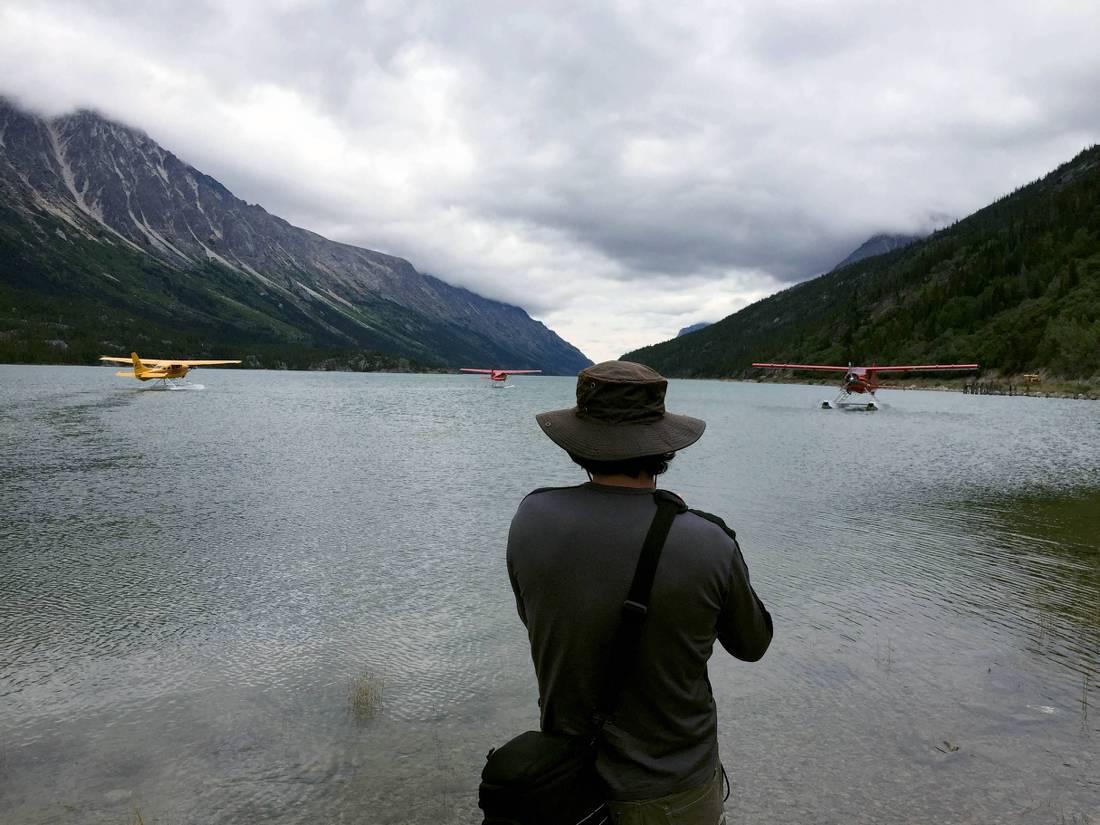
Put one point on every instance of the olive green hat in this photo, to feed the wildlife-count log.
(620, 414)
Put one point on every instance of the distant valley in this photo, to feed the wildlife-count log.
(109, 242)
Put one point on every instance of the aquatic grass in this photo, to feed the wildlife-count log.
(1045, 628)
(365, 695)
(1085, 703)
(885, 659)
(138, 819)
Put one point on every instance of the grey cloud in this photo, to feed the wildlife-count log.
(711, 145)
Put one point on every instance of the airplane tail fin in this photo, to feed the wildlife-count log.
(138, 366)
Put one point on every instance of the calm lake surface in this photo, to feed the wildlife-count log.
(192, 582)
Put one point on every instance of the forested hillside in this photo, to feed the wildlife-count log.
(1015, 286)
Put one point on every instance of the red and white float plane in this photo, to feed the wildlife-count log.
(498, 377)
(862, 380)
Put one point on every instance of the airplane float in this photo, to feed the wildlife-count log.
(498, 377)
(862, 381)
(163, 369)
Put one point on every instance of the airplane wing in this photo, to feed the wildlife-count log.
(516, 372)
(924, 368)
(163, 362)
(819, 367)
(467, 369)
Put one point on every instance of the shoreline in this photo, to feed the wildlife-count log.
(246, 367)
(1056, 388)
(1080, 390)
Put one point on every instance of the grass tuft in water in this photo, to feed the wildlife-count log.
(365, 695)
(1085, 703)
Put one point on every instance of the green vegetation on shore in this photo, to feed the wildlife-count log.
(70, 302)
(38, 329)
(988, 385)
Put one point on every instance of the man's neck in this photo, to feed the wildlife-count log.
(642, 482)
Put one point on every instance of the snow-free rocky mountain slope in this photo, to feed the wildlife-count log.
(98, 217)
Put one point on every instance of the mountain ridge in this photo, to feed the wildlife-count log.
(83, 180)
(878, 244)
(690, 328)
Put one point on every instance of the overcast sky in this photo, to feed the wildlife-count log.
(620, 170)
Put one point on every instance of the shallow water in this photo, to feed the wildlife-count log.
(192, 582)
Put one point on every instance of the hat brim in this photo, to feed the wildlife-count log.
(616, 442)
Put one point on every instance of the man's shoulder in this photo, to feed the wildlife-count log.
(698, 519)
(540, 491)
(542, 499)
(711, 519)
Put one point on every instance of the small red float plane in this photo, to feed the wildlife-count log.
(862, 380)
(498, 377)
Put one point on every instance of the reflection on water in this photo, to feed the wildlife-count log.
(189, 583)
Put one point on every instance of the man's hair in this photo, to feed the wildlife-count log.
(654, 465)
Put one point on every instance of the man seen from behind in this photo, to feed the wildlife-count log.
(571, 555)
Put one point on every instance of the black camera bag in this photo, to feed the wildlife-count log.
(542, 779)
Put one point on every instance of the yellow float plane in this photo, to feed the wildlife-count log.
(150, 369)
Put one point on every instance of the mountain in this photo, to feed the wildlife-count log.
(1015, 286)
(128, 244)
(877, 245)
(693, 328)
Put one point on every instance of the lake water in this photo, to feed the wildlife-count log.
(194, 584)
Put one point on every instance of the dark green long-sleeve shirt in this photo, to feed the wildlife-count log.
(572, 552)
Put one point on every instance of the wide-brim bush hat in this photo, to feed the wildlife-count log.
(620, 414)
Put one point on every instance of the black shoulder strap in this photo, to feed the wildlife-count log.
(624, 651)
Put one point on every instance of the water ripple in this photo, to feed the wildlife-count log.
(192, 583)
